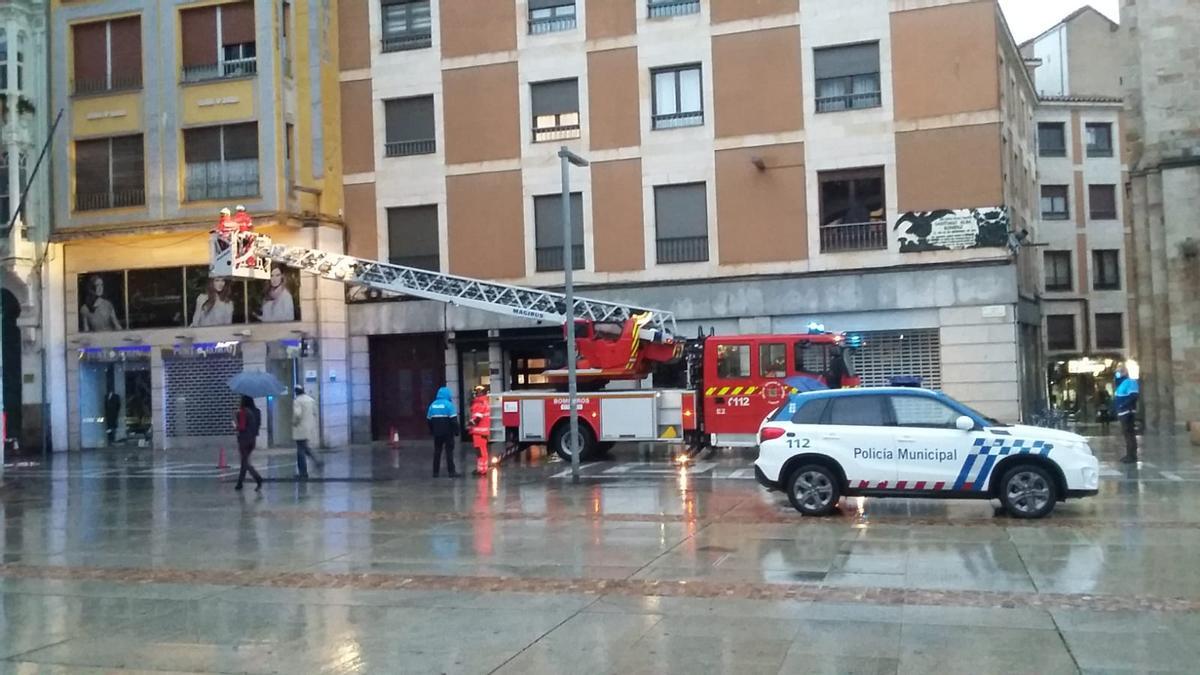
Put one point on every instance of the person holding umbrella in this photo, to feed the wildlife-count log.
(247, 420)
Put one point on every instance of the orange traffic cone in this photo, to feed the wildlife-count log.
(221, 463)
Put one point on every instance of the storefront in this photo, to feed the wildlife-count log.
(116, 404)
(1083, 387)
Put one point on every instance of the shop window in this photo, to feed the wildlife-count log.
(733, 361)
(772, 360)
(156, 298)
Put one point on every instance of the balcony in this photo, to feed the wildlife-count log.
(107, 84)
(550, 258)
(409, 148)
(222, 180)
(403, 42)
(97, 201)
(551, 24)
(430, 262)
(666, 8)
(560, 133)
(854, 237)
(682, 250)
(220, 71)
(679, 120)
(868, 99)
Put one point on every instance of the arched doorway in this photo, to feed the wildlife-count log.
(10, 339)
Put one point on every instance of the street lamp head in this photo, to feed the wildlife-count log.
(571, 157)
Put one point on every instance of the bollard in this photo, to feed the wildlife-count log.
(221, 463)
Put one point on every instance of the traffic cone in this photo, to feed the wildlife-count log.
(221, 463)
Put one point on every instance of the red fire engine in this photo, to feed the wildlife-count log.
(729, 383)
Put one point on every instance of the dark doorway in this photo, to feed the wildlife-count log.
(10, 338)
(406, 371)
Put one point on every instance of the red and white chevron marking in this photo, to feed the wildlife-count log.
(917, 486)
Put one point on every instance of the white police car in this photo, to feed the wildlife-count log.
(904, 442)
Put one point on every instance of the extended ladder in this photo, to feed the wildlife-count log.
(527, 303)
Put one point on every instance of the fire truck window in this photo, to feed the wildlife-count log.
(772, 360)
(733, 361)
(811, 358)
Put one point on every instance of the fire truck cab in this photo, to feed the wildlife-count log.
(746, 377)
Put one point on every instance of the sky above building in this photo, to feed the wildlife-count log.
(1028, 18)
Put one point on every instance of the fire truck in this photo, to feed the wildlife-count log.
(728, 383)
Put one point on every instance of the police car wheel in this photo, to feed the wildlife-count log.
(813, 490)
(1028, 491)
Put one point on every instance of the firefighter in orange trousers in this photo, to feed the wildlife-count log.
(481, 422)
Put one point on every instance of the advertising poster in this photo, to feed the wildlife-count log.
(276, 299)
(101, 302)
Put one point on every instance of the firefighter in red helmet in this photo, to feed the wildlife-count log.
(481, 422)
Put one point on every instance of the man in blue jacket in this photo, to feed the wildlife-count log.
(1126, 401)
(443, 424)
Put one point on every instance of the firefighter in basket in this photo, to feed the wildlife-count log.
(481, 422)
(243, 226)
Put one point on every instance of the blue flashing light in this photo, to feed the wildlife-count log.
(854, 341)
(815, 328)
(905, 381)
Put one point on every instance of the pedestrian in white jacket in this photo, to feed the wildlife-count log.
(304, 429)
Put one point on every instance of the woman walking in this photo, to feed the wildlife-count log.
(248, 419)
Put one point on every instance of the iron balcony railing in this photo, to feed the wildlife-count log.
(559, 133)
(94, 201)
(551, 24)
(402, 42)
(679, 120)
(661, 8)
(859, 101)
(220, 71)
(870, 236)
(426, 146)
(431, 262)
(550, 258)
(222, 180)
(682, 250)
(105, 84)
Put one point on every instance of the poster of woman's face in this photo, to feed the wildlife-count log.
(214, 301)
(276, 299)
(101, 302)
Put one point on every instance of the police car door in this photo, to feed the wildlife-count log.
(857, 435)
(931, 450)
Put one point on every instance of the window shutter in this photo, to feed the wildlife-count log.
(202, 145)
(91, 167)
(681, 211)
(553, 98)
(237, 23)
(409, 119)
(413, 231)
(90, 55)
(547, 216)
(199, 30)
(241, 141)
(127, 51)
(127, 164)
(846, 60)
(543, 4)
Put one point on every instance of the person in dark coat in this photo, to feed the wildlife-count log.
(112, 414)
(443, 424)
(248, 419)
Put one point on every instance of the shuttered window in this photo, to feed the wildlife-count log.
(900, 353)
(548, 229)
(1060, 332)
(1110, 331)
(222, 161)
(219, 42)
(847, 77)
(107, 55)
(409, 126)
(555, 107)
(109, 173)
(681, 223)
(413, 237)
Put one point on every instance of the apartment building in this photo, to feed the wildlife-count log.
(173, 110)
(755, 166)
(1083, 218)
(24, 120)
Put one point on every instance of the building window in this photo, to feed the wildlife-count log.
(1102, 202)
(285, 29)
(555, 110)
(1052, 139)
(852, 210)
(107, 55)
(1058, 271)
(219, 42)
(407, 25)
(1054, 202)
(7, 201)
(222, 162)
(664, 8)
(1099, 139)
(413, 237)
(410, 127)
(847, 77)
(549, 16)
(289, 160)
(548, 230)
(681, 223)
(1110, 331)
(677, 98)
(1106, 270)
(109, 173)
(3, 59)
(1060, 332)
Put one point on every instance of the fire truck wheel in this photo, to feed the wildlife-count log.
(813, 490)
(558, 441)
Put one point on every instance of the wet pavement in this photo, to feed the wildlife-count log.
(126, 561)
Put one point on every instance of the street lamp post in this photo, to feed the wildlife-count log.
(568, 158)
